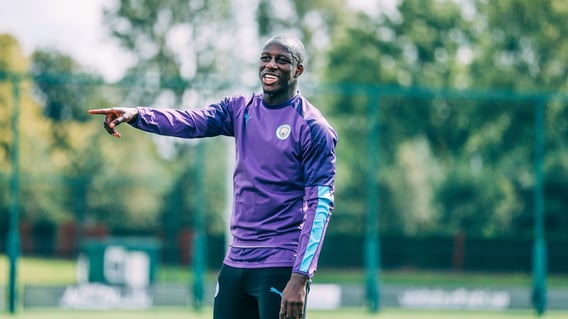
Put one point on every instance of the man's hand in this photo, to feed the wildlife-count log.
(116, 116)
(294, 297)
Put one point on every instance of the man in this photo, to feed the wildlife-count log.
(283, 183)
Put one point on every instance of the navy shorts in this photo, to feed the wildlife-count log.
(249, 293)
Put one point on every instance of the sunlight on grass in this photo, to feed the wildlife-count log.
(46, 271)
(41, 271)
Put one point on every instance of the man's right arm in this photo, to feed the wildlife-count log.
(208, 121)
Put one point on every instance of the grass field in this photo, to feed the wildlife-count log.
(38, 271)
(42, 271)
(335, 314)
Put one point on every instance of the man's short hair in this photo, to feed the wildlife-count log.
(294, 45)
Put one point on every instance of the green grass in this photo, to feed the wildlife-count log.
(39, 271)
(43, 271)
(438, 278)
(319, 314)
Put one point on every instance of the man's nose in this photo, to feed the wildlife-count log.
(271, 64)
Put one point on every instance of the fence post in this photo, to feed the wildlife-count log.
(199, 233)
(372, 246)
(13, 241)
(539, 249)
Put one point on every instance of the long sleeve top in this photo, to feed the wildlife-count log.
(283, 181)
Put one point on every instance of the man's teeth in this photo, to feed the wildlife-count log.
(269, 79)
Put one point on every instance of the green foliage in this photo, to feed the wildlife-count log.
(523, 42)
(478, 175)
(34, 141)
(70, 168)
(171, 43)
(63, 99)
(176, 58)
(445, 164)
(314, 22)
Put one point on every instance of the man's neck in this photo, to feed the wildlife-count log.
(275, 99)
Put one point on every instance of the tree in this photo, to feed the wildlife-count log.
(522, 41)
(64, 90)
(418, 46)
(172, 44)
(519, 46)
(315, 22)
(184, 54)
(480, 147)
(34, 143)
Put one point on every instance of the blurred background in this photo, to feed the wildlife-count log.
(452, 164)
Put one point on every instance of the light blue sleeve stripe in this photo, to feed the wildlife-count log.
(320, 218)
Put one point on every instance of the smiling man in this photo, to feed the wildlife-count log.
(283, 183)
(281, 64)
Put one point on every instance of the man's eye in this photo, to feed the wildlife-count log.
(264, 59)
(283, 61)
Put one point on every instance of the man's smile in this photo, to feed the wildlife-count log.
(269, 79)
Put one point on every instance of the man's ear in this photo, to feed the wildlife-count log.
(299, 70)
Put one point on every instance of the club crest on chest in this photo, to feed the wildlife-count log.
(283, 131)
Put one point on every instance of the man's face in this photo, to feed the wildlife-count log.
(278, 70)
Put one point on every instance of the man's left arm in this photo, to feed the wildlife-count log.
(319, 174)
(319, 171)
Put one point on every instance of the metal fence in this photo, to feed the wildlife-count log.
(373, 108)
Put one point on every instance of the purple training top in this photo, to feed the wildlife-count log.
(284, 176)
